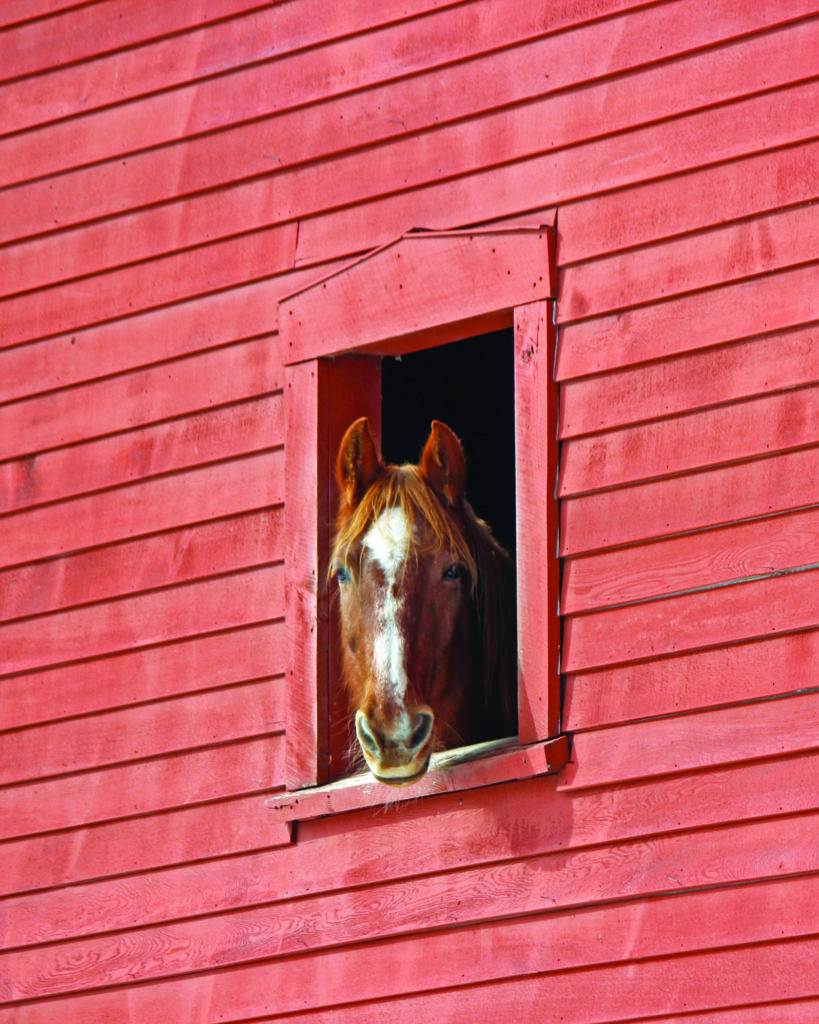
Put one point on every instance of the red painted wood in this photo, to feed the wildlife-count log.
(240, 542)
(706, 618)
(665, 745)
(744, 310)
(121, 292)
(694, 560)
(697, 199)
(553, 882)
(743, 430)
(702, 260)
(224, 602)
(405, 843)
(695, 501)
(324, 398)
(181, 666)
(391, 108)
(166, 502)
(244, 427)
(418, 284)
(180, 386)
(356, 62)
(641, 153)
(362, 791)
(16, 11)
(765, 668)
(703, 981)
(140, 843)
(542, 943)
(780, 360)
(96, 28)
(126, 74)
(234, 769)
(538, 570)
(148, 730)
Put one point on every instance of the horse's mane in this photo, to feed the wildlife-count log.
(490, 568)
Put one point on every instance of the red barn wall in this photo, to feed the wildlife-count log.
(170, 170)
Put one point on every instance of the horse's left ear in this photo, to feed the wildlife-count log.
(358, 463)
(443, 463)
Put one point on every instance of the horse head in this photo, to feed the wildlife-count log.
(426, 602)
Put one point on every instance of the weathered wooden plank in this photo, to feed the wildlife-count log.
(638, 750)
(758, 245)
(553, 882)
(94, 29)
(706, 618)
(134, 399)
(764, 668)
(420, 283)
(370, 847)
(548, 942)
(703, 981)
(728, 433)
(196, 52)
(694, 560)
(141, 340)
(164, 503)
(444, 37)
(688, 141)
(350, 120)
(148, 730)
(233, 769)
(692, 502)
(204, 606)
(731, 312)
(119, 680)
(249, 426)
(141, 286)
(691, 201)
(226, 545)
(780, 360)
(536, 523)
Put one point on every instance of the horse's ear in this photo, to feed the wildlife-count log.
(358, 463)
(443, 463)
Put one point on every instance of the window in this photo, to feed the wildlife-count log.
(425, 290)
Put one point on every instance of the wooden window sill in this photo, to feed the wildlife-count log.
(483, 764)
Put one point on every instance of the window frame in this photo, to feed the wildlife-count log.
(422, 290)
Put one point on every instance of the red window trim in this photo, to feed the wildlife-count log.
(423, 289)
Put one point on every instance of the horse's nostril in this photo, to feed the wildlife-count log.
(422, 729)
(366, 735)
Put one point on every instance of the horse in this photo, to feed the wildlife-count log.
(426, 606)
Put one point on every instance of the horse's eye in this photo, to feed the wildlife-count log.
(343, 574)
(453, 572)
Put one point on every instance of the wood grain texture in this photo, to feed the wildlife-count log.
(698, 560)
(553, 882)
(775, 361)
(163, 503)
(269, 32)
(694, 501)
(120, 680)
(764, 668)
(390, 108)
(704, 618)
(717, 134)
(538, 570)
(729, 433)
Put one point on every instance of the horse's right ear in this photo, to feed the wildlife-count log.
(358, 463)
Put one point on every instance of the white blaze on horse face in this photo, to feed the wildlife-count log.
(387, 542)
